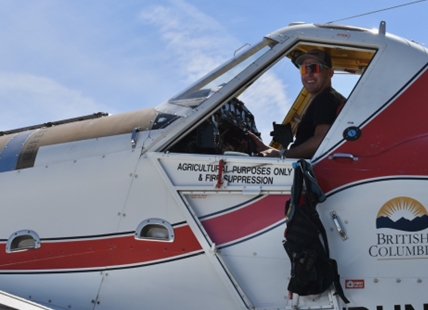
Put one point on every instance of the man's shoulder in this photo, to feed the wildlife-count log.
(338, 95)
(330, 95)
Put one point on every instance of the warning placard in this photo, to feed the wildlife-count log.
(351, 284)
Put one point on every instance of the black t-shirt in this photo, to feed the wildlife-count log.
(322, 110)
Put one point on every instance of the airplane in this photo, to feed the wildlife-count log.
(170, 207)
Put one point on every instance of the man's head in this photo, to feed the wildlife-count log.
(316, 69)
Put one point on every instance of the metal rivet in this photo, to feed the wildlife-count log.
(398, 280)
(376, 280)
(419, 280)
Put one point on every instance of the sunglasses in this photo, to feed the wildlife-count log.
(314, 67)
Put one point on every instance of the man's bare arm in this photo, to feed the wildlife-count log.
(309, 147)
(304, 150)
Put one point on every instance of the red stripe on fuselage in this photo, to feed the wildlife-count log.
(247, 220)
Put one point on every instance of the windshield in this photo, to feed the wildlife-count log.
(210, 84)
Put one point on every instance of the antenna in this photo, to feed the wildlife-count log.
(382, 27)
(377, 11)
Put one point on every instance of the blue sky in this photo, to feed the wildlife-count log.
(62, 59)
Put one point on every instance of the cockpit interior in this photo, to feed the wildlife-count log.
(226, 129)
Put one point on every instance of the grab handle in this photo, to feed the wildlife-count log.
(343, 155)
(134, 137)
(338, 226)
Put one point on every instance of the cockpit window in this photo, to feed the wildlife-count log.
(207, 86)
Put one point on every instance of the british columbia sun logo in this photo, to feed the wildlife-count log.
(402, 213)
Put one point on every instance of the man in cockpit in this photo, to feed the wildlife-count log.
(316, 73)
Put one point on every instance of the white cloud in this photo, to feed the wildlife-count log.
(268, 101)
(198, 43)
(35, 99)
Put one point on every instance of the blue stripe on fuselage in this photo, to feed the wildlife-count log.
(10, 152)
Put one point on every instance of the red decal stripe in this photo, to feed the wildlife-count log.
(247, 220)
(395, 142)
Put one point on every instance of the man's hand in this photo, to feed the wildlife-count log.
(262, 148)
(258, 143)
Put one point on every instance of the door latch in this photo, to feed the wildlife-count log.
(134, 137)
(338, 225)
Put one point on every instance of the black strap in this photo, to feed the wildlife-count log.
(337, 285)
(303, 173)
(314, 195)
(296, 192)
